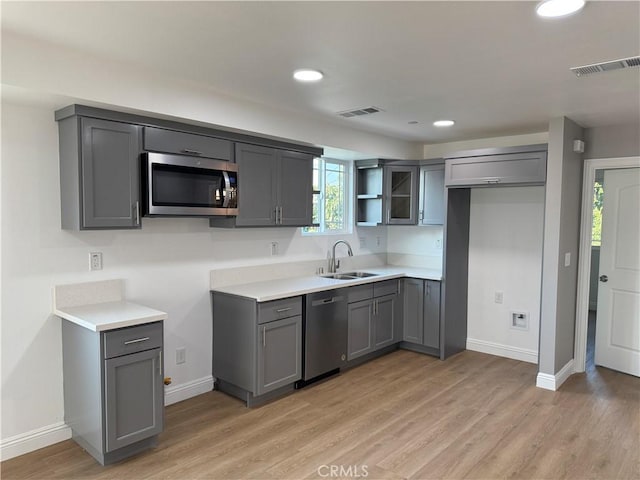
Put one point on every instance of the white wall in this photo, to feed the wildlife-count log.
(415, 246)
(505, 255)
(438, 150)
(165, 265)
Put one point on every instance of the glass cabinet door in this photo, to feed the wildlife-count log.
(401, 195)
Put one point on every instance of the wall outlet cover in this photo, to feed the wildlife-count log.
(520, 320)
(95, 260)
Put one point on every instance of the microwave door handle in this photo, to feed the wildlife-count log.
(225, 189)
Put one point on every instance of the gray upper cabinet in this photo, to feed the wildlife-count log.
(275, 188)
(99, 174)
(295, 192)
(170, 141)
(401, 194)
(369, 193)
(528, 168)
(431, 200)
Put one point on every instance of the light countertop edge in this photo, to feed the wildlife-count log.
(105, 316)
(292, 287)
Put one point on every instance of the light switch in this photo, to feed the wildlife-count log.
(567, 259)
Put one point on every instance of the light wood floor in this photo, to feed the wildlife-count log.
(404, 415)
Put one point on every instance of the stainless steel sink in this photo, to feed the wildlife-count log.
(361, 274)
(350, 275)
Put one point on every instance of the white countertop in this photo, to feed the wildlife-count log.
(291, 287)
(99, 317)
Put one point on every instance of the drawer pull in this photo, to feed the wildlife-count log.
(191, 152)
(282, 310)
(137, 340)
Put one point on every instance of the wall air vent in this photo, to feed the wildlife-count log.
(606, 66)
(358, 112)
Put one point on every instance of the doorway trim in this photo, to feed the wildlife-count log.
(584, 256)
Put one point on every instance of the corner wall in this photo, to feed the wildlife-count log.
(561, 237)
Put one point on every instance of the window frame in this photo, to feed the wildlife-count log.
(347, 198)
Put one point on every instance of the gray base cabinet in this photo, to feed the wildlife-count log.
(373, 318)
(257, 347)
(421, 316)
(99, 174)
(113, 388)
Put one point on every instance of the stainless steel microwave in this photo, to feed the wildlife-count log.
(184, 186)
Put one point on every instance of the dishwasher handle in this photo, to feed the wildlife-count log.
(326, 301)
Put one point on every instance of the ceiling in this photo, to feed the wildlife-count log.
(493, 67)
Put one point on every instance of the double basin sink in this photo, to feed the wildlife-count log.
(350, 275)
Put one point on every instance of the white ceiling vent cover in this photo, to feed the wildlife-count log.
(606, 66)
(358, 112)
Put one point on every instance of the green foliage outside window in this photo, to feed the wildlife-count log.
(596, 230)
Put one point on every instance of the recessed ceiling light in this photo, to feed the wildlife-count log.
(307, 75)
(558, 8)
(443, 123)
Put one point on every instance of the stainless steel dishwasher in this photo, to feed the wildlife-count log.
(325, 334)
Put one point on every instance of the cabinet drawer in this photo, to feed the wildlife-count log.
(132, 339)
(360, 292)
(169, 141)
(288, 307)
(387, 287)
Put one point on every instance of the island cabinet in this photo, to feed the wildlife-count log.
(373, 318)
(421, 315)
(275, 188)
(99, 173)
(113, 388)
(257, 346)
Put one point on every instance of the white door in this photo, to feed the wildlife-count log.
(618, 316)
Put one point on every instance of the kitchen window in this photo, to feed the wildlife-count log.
(331, 197)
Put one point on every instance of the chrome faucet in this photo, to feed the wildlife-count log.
(333, 264)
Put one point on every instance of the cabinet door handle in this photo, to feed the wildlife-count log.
(160, 363)
(281, 210)
(421, 215)
(137, 340)
(493, 180)
(264, 336)
(389, 215)
(136, 212)
(191, 152)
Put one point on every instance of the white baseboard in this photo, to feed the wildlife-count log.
(177, 393)
(33, 440)
(553, 382)
(58, 432)
(501, 350)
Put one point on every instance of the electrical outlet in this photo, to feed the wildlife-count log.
(378, 241)
(363, 241)
(520, 320)
(439, 244)
(274, 248)
(498, 297)
(181, 355)
(95, 260)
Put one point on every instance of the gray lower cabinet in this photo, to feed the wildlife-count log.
(257, 347)
(275, 188)
(372, 318)
(421, 313)
(99, 174)
(279, 354)
(113, 388)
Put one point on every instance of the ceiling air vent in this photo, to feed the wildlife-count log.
(606, 66)
(359, 112)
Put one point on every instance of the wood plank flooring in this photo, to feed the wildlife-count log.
(404, 415)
